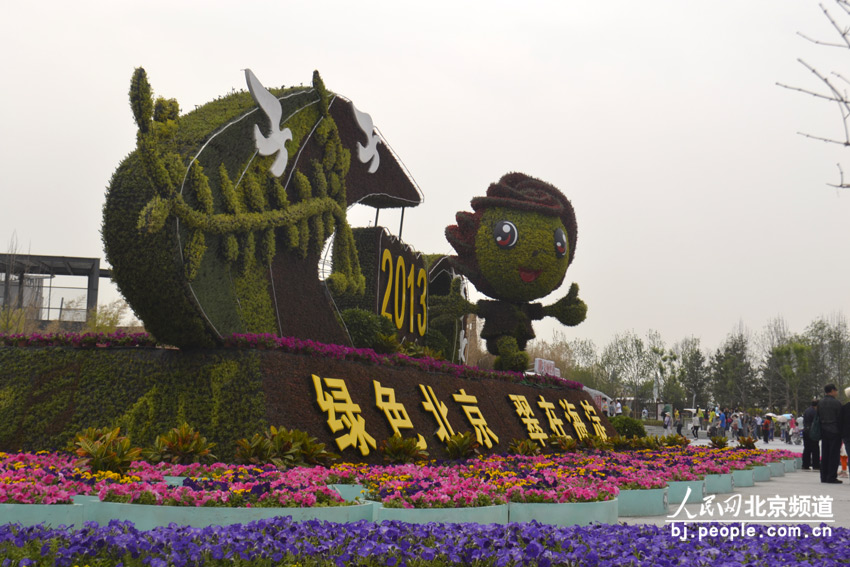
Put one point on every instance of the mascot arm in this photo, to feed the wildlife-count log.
(444, 308)
(569, 310)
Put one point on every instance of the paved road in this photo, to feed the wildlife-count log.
(790, 494)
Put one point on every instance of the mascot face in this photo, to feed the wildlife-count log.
(522, 254)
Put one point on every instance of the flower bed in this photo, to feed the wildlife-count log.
(287, 344)
(48, 478)
(284, 542)
(304, 346)
(78, 340)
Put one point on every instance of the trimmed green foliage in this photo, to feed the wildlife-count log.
(462, 446)
(402, 450)
(628, 427)
(284, 448)
(104, 449)
(182, 445)
(526, 447)
(48, 394)
(366, 328)
(191, 235)
(562, 444)
(515, 248)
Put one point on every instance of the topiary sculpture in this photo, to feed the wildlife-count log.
(515, 248)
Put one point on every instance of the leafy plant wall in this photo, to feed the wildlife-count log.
(47, 394)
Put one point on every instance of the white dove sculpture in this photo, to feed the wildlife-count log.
(276, 141)
(367, 153)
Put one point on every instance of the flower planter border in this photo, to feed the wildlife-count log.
(497, 514)
(761, 473)
(719, 483)
(565, 514)
(350, 492)
(146, 517)
(53, 515)
(679, 488)
(744, 477)
(777, 468)
(643, 502)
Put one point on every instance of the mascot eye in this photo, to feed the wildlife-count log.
(506, 234)
(560, 243)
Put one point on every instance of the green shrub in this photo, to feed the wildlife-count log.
(104, 449)
(649, 442)
(746, 442)
(595, 442)
(719, 442)
(674, 440)
(462, 446)
(401, 450)
(365, 328)
(181, 446)
(628, 427)
(562, 444)
(621, 443)
(526, 447)
(284, 448)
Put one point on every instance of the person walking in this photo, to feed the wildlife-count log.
(695, 425)
(811, 448)
(766, 426)
(829, 414)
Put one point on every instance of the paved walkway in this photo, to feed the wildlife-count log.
(788, 494)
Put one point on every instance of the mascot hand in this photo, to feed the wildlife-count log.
(569, 310)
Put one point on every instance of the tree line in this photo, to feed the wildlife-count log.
(773, 370)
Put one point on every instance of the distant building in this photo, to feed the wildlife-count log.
(27, 282)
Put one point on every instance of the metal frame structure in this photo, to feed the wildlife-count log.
(21, 265)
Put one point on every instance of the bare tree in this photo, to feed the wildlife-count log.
(835, 83)
(630, 362)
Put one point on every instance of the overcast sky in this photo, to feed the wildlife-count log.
(699, 205)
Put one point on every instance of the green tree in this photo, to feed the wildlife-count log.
(693, 372)
(792, 362)
(732, 372)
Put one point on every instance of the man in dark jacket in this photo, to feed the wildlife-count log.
(811, 448)
(829, 413)
(845, 421)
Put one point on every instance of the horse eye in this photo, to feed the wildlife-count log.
(506, 234)
(560, 243)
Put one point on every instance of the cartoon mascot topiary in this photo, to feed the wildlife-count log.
(515, 248)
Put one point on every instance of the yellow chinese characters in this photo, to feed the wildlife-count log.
(556, 424)
(440, 412)
(590, 412)
(524, 411)
(394, 411)
(343, 413)
(573, 418)
(483, 434)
